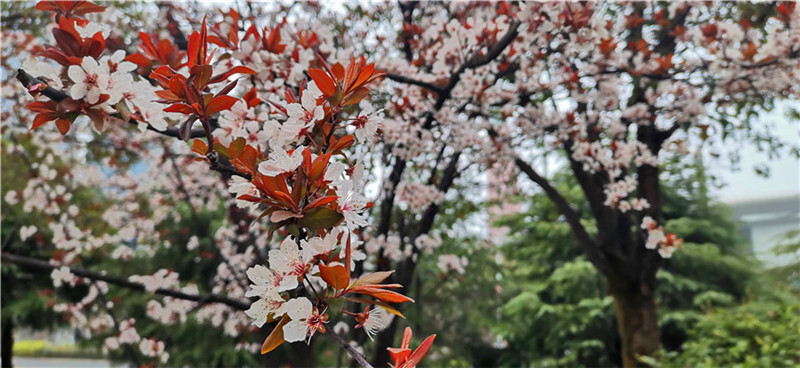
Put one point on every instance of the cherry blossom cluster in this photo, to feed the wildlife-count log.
(418, 196)
(666, 243)
(390, 247)
(128, 335)
(452, 262)
(427, 243)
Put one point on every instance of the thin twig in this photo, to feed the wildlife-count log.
(350, 349)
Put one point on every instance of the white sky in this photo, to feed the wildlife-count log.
(745, 183)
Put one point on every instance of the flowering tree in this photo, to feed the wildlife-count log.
(469, 88)
(616, 87)
(286, 159)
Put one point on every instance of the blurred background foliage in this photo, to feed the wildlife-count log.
(532, 300)
(536, 300)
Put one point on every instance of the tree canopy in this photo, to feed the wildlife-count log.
(283, 172)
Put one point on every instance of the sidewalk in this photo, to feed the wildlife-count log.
(60, 362)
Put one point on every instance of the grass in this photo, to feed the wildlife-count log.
(41, 348)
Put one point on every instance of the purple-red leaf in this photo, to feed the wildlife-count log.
(220, 103)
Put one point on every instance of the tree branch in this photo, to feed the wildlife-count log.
(450, 172)
(403, 79)
(474, 62)
(407, 8)
(388, 202)
(585, 241)
(44, 265)
(27, 80)
(496, 49)
(406, 271)
(443, 95)
(175, 31)
(216, 163)
(200, 299)
(349, 348)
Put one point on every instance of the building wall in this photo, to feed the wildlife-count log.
(766, 220)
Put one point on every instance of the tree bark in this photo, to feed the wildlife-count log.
(637, 320)
(8, 343)
(302, 355)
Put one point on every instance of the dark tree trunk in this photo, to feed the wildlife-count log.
(302, 355)
(637, 320)
(8, 343)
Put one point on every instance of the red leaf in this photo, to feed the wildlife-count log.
(219, 42)
(338, 71)
(356, 96)
(40, 106)
(46, 6)
(420, 352)
(199, 147)
(323, 81)
(285, 198)
(43, 118)
(201, 73)
(236, 148)
(162, 74)
(167, 95)
(251, 97)
(275, 337)
(176, 85)
(318, 167)
(63, 126)
(272, 42)
(138, 59)
(372, 278)
(336, 276)
(236, 70)
(365, 73)
(383, 295)
(252, 31)
(87, 7)
(220, 103)
(321, 201)
(66, 42)
(343, 143)
(193, 48)
(180, 107)
(229, 87)
(70, 105)
(248, 197)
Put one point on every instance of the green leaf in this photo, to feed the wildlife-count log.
(236, 148)
(320, 218)
(221, 150)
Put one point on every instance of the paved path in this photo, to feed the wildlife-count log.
(24, 362)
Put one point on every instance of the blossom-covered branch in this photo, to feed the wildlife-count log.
(36, 86)
(114, 280)
(288, 157)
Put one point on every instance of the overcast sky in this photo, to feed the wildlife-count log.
(785, 172)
